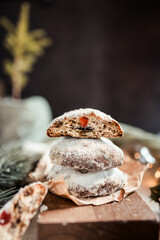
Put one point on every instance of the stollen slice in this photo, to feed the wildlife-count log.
(15, 216)
(85, 123)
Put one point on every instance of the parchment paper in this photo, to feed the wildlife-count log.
(133, 169)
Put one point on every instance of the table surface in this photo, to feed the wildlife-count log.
(143, 191)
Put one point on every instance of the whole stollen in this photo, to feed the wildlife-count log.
(86, 154)
(91, 184)
(85, 123)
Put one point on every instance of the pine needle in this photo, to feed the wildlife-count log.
(6, 195)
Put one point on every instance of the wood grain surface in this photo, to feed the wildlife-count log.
(54, 202)
(128, 219)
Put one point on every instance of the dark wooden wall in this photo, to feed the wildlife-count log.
(105, 55)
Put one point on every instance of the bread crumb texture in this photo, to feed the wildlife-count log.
(85, 123)
(21, 209)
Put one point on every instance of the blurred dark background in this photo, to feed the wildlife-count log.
(105, 55)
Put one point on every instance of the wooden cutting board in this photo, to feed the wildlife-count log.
(127, 220)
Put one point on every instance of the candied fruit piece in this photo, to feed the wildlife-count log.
(83, 121)
(5, 218)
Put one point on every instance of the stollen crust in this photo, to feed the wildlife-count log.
(16, 214)
(85, 123)
(86, 154)
(90, 184)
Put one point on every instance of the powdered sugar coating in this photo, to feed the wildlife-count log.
(86, 154)
(90, 184)
(77, 113)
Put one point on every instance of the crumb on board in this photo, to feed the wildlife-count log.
(43, 208)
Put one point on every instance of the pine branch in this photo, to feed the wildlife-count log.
(16, 163)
